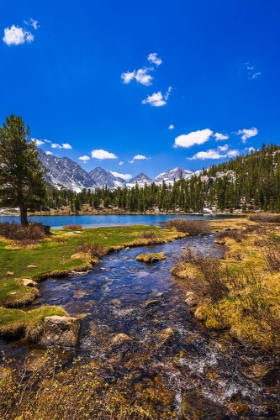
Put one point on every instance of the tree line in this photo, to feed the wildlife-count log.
(250, 182)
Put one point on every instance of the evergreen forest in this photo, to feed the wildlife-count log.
(249, 182)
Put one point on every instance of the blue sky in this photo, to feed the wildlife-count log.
(143, 87)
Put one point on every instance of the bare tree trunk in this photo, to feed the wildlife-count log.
(23, 215)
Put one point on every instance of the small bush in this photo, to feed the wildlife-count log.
(272, 255)
(265, 218)
(72, 227)
(33, 232)
(211, 284)
(254, 228)
(153, 237)
(233, 234)
(193, 227)
(94, 250)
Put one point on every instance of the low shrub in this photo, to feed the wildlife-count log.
(94, 250)
(32, 232)
(193, 227)
(233, 234)
(254, 228)
(152, 237)
(72, 227)
(211, 283)
(265, 218)
(271, 254)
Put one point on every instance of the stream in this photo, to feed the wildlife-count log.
(203, 374)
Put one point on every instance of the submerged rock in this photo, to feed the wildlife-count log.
(165, 336)
(191, 299)
(59, 331)
(151, 303)
(121, 342)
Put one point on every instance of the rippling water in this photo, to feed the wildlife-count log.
(202, 373)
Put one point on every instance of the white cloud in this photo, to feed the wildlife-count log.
(220, 136)
(169, 90)
(131, 161)
(59, 146)
(247, 133)
(251, 149)
(123, 176)
(223, 148)
(232, 153)
(120, 163)
(196, 137)
(66, 146)
(103, 154)
(140, 157)
(153, 58)
(141, 76)
(32, 22)
(156, 99)
(255, 75)
(249, 67)
(214, 154)
(49, 153)
(38, 142)
(128, 76)
(47, 141)
(171, 127)
(210, 154)
(84, 158)
(16, 36)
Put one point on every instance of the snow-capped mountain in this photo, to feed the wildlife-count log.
(140, 179)
(175, 173)
(65, 173)
(101, 178)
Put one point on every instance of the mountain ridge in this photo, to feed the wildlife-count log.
(66, 173)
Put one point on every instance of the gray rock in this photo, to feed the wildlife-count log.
(60, 331)
(191, 299)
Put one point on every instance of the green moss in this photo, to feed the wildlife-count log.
(14, 320)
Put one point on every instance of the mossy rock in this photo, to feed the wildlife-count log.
(151, 258)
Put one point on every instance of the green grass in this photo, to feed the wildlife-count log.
(54, 255)
(12, 320)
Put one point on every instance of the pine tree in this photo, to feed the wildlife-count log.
(21, 175)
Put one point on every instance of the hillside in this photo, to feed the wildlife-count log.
(246, 183)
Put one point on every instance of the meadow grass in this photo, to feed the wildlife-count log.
(52, 255)
(247, 282)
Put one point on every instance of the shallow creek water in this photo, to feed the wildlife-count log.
(205, 374)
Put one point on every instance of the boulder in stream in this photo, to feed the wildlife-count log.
(191, 299)
(121, 342)
(60, 331)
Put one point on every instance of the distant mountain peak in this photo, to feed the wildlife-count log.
(65, 173)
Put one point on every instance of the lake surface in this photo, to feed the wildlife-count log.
(57, 222)
(202, 374)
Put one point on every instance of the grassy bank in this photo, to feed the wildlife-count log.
(58, 255)
(240, 293)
